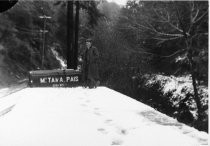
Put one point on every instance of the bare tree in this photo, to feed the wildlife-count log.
(185, 22)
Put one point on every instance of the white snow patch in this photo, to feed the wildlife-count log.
(179, 87)
(90, 117)
(3, 90)
(61, 60)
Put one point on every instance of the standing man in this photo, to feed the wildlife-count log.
(90, 57)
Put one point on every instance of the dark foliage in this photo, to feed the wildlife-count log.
(153, 96)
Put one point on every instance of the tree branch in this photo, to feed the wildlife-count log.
(149, 53)
(171, 55)
(163, 18)
(158, 32)
(166, 39)
(175, 27)
(167, 20)
(199, 34)
(192, 17)
(196, 15)
(201, 16)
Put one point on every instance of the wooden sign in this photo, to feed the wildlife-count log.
(55, 78)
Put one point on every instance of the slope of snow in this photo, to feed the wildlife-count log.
(90, 117)
(7, 102)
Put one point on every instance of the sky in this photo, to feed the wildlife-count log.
(119, 2)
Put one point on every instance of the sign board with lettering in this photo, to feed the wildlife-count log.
(55, 78)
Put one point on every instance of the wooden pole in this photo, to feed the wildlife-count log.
(70, 34)
(76, 35)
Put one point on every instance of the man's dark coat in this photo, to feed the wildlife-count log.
(90, 64)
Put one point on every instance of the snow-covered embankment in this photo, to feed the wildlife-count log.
(95, 117)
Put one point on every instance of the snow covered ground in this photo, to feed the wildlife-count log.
(89, 117)
(8, 102)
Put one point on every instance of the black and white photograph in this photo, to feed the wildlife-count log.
(104, 72)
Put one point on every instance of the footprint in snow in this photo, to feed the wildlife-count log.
(84, 105)
(117, 142)
(96, 108)
(108, 120)
(123, 132)
(81, 98)
(102, 130)
(97, 113)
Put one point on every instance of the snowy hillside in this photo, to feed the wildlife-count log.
(89, 117)
(179, 87)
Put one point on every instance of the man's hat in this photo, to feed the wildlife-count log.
(89, 40)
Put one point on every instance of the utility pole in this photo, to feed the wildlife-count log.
(44, 17)
(76, 35)
(70, 34)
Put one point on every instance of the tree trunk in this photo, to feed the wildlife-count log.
(76, 35)
(188, 41)
(196, 96)
(70, 35)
